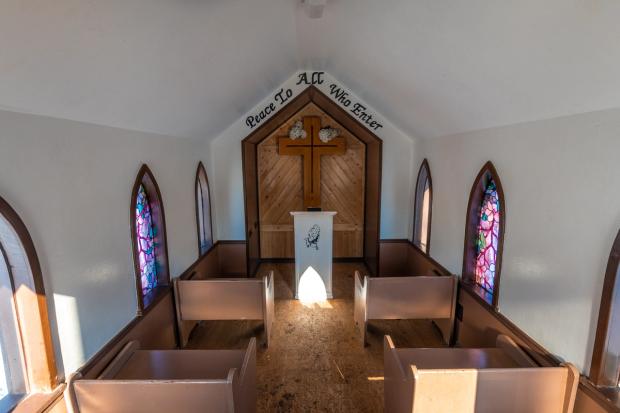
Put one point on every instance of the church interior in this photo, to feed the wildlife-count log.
(309, 206)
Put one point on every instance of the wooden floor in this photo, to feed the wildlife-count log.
(316, 362)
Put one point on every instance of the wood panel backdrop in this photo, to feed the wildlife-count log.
(280, 187)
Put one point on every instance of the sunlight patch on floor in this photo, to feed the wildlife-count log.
(311, 289)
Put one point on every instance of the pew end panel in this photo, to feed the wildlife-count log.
(268, 305)
(397, 383)
(474, 380)
(184, 327)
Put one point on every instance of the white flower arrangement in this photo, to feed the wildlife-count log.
(327, 134)
(297, 131)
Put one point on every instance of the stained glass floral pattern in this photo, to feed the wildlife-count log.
(204, 212)
(146, 242)
(487, 238)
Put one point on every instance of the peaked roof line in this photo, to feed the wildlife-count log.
(329, 88)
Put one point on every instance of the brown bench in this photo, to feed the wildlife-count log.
(162, 381)
(395, 298)
(482, 380)
(224, 299)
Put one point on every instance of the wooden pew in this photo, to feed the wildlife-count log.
(394, 298)
(483, 380)
(162, 381)
(224, 299)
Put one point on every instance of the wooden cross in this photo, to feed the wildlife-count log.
(311, 148)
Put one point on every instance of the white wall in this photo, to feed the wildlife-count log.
(71, 184)
(560, 179)
(227, 178)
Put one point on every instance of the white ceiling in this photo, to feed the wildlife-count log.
(189, 68)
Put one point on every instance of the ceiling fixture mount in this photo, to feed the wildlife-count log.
(314, 8)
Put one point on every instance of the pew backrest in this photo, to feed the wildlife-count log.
(390, 298)
(225, 299)
(221, 381)
(511, 390)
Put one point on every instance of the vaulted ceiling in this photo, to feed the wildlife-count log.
(189, 68)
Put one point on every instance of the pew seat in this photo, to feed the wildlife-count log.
(224, 299)
(395, 298)
(481, 380)
(161, 381)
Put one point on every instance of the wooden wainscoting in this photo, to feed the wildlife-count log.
(399, 257)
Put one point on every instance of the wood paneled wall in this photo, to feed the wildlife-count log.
(280, 183)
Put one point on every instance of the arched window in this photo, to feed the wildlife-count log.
(423, 208)
(148, 235)
(26, 355)
(605, 367)
(203, 210)
(484, 234)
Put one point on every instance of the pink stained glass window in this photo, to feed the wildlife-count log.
(487, 238)
(146, 242)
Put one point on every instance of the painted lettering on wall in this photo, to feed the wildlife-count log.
(338, 93)
(316, 78)
(281, 97)
(357, 109)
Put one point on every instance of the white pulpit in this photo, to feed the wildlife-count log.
(313, 253)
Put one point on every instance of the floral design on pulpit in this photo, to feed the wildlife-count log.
(312, 240)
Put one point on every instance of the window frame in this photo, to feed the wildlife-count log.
(146, 179)
(200, 170)
(600, 375)
(418, 204)
(474, 204)
(31, 310)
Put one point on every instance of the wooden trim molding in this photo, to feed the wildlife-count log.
(610, 404)
(605, 366)
(443, 270)
(423, 167)
(201, 171)
(476, 195)
(146, 178)
(31, 308)
(372, 201)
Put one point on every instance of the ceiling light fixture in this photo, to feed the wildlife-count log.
(314, 8)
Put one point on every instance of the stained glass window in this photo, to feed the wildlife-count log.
(421, 226)
(146, 242)
(204, 211)
(487, 238)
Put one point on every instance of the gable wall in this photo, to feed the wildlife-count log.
(396, 191)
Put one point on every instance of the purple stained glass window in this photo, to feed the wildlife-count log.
(487, 238)
(146, 242)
